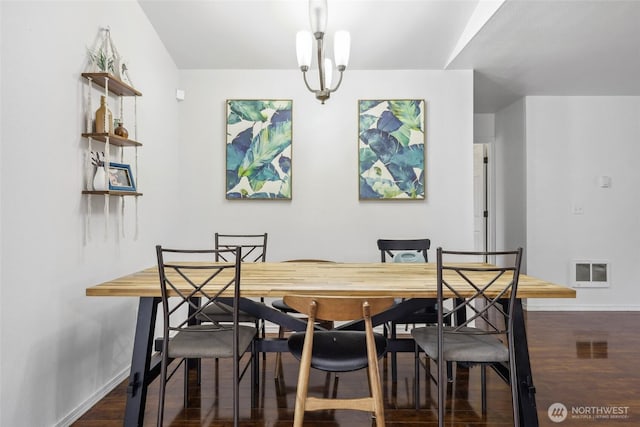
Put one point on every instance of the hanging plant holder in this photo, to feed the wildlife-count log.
(105, 58)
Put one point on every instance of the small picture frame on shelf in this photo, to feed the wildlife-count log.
(121, 177)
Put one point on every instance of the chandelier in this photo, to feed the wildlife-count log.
(304, 45)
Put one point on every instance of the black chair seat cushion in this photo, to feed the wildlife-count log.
(279, 304)
(337, 351)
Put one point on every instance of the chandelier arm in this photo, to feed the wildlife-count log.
(339, 81)
(304, 76)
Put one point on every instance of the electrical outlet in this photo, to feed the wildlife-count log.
(577, 209)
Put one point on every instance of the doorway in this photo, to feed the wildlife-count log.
(482, 200)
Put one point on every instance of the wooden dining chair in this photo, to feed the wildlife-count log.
(478, 291)
(279, 304)
(338, 351)
(187, 290)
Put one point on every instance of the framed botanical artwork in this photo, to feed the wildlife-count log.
(121, 177)
(391, 155)
(258, 150)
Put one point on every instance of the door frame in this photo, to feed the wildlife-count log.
(487, 193)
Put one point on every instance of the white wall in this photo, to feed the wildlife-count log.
(59, 348)
(510, 178)
(484, 128)
(325, 218)
(64, 349)
(570, 142)
(1, 221)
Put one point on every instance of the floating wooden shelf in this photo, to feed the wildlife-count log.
(113, 193)
(117, 89)
(113, 139)
(116, 85)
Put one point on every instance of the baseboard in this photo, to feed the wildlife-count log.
(581, 307)
(76, 413)
(271, 328)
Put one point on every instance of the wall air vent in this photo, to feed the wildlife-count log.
(590, 274)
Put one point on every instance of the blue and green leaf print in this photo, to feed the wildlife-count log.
(259, 149)
(391, 149)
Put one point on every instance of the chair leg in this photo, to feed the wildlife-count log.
(375, 387)
(278, 369)
(483, 385)
(262, 330)
(199, 371)
(427, 379)
(163, 386)
(327, 390)
(301, 394)
(449, 364)
(373, 375)
(334, 392)
(255, 372)
(442, 389)
(186, 383)
(513, 381)
(394, 357)
(236, 389)
(303, 380)
(416, 370)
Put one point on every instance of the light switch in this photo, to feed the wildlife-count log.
(604, 181)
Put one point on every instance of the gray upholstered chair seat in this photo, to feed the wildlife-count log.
(205, 341)
(473, 344)
(219, 312)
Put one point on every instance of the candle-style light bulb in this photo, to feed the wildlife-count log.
(318, 16)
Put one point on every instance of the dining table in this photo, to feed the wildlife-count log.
(410, 283)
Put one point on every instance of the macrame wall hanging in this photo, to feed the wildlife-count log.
(105, 58)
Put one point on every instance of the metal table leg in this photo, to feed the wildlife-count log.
(144, 368)
(526, 389)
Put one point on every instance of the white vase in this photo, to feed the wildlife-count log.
(99, 180)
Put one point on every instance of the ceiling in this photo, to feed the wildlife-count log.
(516, 47)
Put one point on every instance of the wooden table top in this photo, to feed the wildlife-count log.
(276, 279)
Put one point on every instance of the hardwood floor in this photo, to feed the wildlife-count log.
(586, 361)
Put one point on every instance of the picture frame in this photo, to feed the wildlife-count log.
(391, 149)
(121, 177)
(258, 149)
